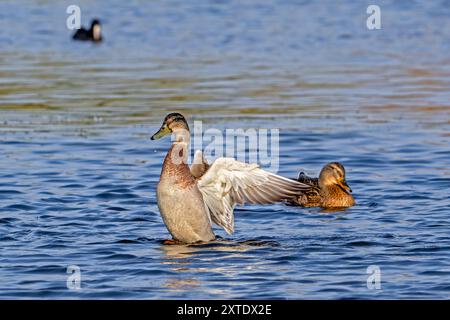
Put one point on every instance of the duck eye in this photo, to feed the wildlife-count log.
(338, 175)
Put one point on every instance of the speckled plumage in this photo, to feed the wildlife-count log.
(311, 197)
(327, 191)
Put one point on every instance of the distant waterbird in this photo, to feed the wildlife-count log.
(92, 34)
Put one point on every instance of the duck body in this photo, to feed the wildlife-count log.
(82, 34)
(330, 190)
(335, 197)
(181, 203)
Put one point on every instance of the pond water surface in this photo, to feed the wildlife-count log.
(78, 172)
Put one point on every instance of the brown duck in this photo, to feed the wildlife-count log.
(330, 190)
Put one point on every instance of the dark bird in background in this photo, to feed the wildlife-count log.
(93, 34)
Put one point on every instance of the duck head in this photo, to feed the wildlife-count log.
(333, 174)
(173, 123)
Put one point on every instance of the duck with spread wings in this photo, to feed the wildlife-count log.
(191, 199)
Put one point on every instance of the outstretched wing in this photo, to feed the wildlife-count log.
(229, 182)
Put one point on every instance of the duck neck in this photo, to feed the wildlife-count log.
(175, 162)
(178, 154)
(181, 136)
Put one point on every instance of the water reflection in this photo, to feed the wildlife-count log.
(181, 254)
(194, 262)
(182, 284)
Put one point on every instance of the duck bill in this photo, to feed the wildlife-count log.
(164, 131)
(345, 186)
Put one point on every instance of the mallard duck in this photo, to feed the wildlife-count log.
(330, 190)
(93, 34)
(191, 199)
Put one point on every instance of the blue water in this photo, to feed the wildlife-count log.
(78, 172)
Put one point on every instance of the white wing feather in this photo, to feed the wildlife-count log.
(229, 182)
